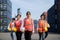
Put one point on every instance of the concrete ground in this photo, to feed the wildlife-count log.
(6, 36)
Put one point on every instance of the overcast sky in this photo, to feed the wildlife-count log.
(36, 7)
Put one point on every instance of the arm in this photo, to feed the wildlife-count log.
(32, 22)
(9, 29)
(24, 22)
(8, 25)
(48, 26)
(21, 23)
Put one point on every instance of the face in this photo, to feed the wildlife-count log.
(42, 17)
(18, 17)
(28, 15)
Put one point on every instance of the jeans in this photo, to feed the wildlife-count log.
(42, 36)
(12, 35)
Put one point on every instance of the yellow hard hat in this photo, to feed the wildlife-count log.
(45, 29)
(9, 29)
(14, 29)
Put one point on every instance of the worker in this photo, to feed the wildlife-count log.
(29, 26)
(41, 28)
(10, 28)
(18, 24)
(46, 18)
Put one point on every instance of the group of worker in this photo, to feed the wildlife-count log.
(27, 26)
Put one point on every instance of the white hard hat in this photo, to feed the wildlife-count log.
(22, 29)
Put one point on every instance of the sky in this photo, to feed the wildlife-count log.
(36, 7)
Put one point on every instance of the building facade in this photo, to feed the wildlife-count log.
(54, 17)
(5, 13)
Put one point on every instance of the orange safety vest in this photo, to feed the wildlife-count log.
(18, 24)
(28, 24)
(40, 26)
(11, 25)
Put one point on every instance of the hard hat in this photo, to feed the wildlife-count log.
(9, 29)
(22, 29)
(14, 29)
(45, 29)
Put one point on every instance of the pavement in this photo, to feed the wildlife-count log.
(6, 36)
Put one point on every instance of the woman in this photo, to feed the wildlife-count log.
(41, 28)
(18, 24)
(46, 18)
(11, 26)
(28, 24)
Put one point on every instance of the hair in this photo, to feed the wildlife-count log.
(28, 13)
(43, 15)
(13, 18)
(18, 15)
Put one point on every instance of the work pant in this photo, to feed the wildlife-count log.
(12, 35)
(41, 36)
(27, 35)
(18, 35)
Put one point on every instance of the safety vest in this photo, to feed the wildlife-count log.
(11, 25)
(18, 24)
(43, 26)
(28, 24)
(40, 25)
